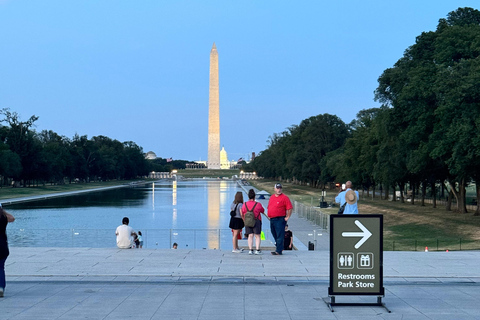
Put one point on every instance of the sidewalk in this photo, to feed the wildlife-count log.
(108, 283)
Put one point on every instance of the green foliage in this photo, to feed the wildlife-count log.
(297, 154)
(47, 157)
(425, 132)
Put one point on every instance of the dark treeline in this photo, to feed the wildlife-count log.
(29, 158)
(425, 136)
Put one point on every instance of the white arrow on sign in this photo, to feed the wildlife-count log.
(365, 234)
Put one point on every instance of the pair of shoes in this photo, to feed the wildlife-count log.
(237, 251)
(1, 292)
(275, 253)
(250, 252)
(258, 252)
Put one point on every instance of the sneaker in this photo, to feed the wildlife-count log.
(275, 253)
(241, 249)
(1, 292)
(250, 252)
(258, 252)
(236, 251)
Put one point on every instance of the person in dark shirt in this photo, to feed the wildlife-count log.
(288, 241)
(5, 218)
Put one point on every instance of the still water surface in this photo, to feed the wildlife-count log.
(192, 213)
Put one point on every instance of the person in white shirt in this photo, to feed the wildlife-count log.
(125, 235)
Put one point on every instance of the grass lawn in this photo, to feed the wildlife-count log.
(406, 226)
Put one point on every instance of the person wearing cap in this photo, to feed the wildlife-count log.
(5, 218)
(350, 197)
(279, 211)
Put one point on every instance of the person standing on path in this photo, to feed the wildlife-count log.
(236, 221)
(257, 208)
(279, 211)
(5, 218)
(349, 197)
(125, 235)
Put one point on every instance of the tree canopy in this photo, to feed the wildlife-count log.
(425, 133)
(29, 157)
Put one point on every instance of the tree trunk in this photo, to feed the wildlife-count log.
(434, 194)
(477, 187)
(402, 190)
(448, 206)
(459, 195)
(424, 191)
(462, 204)
(413, 194)
(394, 192)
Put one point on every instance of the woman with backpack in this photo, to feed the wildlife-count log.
(236, 221)
(255, 209)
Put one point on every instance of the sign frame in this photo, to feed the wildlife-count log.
(334, 291)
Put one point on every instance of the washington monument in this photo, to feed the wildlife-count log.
(213, 113)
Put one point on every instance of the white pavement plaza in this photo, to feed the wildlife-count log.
(109, 283)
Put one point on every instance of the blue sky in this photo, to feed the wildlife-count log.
(138, 70)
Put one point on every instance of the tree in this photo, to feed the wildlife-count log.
(434, 93)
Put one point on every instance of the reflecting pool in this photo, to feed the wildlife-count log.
(193, 213)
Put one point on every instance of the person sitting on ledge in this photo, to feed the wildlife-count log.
(125, 235)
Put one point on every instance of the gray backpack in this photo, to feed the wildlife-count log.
(250, 217)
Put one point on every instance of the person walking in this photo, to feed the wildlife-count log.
(279, 211)
(349, 198)
(125, 235)
(256, 230)
(5, 218)
(236, 221)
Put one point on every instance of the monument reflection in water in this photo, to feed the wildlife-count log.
(195, 214)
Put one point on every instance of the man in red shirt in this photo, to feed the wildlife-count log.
(279, 211)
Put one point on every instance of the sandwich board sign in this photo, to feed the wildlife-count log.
(356, 257)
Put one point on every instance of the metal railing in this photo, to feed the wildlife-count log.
(433, 244)
(313, 214)
(209, 239)
(104, 238)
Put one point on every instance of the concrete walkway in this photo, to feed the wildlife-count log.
(74, 283)
(108, 283)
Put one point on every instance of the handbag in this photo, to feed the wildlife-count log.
(342, 208)
(233, 213)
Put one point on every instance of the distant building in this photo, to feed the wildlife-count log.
(159, 175)
(196, 165)
(224, 163)
(150, 155)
